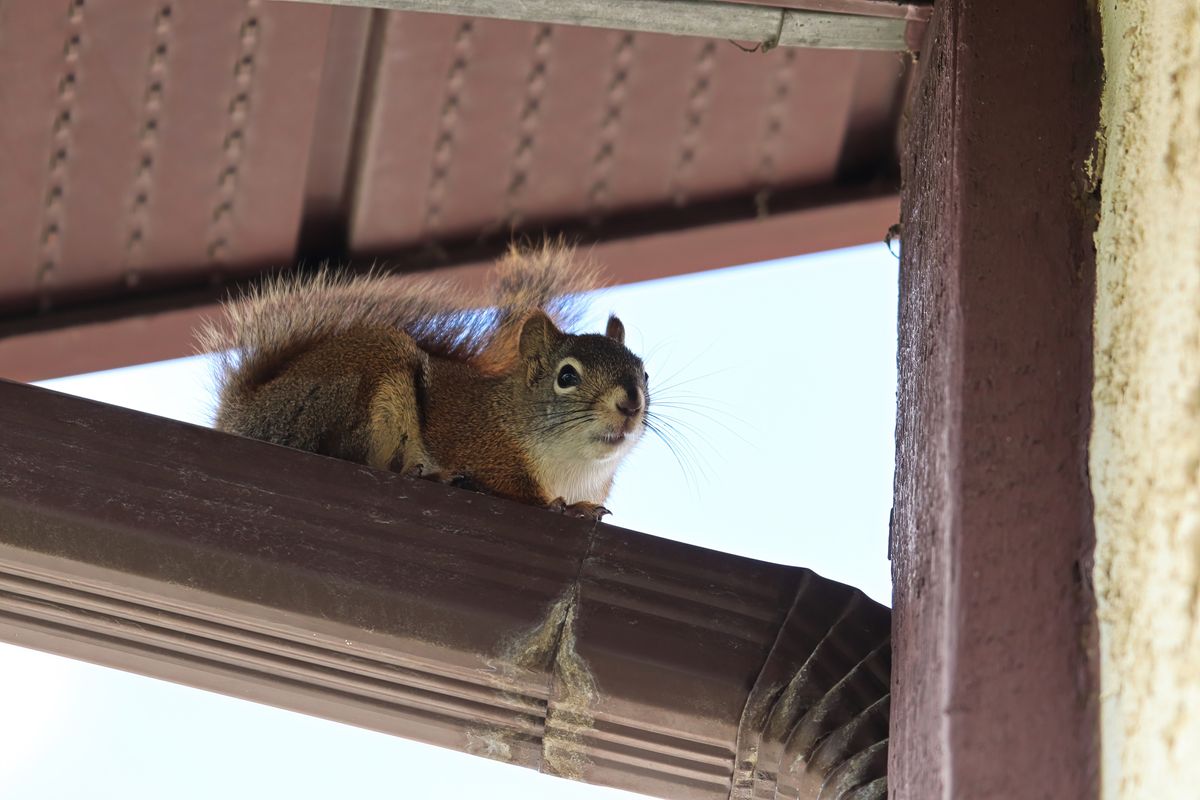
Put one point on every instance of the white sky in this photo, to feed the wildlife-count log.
(789, 368)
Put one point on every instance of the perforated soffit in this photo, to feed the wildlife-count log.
(257, 135)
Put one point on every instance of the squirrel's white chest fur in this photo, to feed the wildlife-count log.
(565, 473)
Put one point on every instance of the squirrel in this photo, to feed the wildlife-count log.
(410, 375)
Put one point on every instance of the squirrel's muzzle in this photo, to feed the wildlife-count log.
(631, 405)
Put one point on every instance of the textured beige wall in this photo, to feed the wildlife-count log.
(1145, 455)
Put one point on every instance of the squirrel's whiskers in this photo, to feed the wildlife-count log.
(687, 439)
(419, 377)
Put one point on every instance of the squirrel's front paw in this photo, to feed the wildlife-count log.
(418, 471)
(435, 475)
(581, 509)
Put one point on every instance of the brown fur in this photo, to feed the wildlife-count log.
(408, 375)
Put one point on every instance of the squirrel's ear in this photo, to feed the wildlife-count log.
(538, 334)
(615, 329)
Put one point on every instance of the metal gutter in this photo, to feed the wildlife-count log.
(768, 25)
(582, 650)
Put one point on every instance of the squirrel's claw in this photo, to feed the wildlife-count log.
(459, 480)
(582, 509)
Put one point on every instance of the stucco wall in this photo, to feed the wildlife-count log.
(1145, 455)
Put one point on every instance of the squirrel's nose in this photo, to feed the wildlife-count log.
(631, 404)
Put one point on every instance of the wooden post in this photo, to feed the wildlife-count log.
(995, 684)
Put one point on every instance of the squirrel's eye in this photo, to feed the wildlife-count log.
(568, 376)
(646, 377)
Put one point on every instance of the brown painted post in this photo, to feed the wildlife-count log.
(995, 682)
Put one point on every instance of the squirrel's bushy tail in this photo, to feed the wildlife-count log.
(270, 324)
(549, 277)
